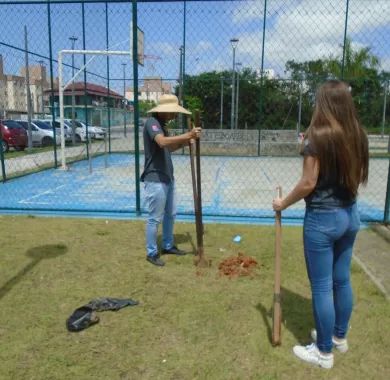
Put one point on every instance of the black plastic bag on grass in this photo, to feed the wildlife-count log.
(85, 316)
(81, 318)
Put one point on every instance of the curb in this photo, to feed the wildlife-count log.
(382, 231)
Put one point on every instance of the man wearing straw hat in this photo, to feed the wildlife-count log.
(158, 175)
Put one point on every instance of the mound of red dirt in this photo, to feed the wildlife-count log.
(239, 265)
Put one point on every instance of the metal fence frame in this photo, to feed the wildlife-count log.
(135, 79)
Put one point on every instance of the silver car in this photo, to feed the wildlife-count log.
(97, 133)
(41, 133)
(80, 136)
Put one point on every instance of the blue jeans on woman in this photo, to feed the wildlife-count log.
(329, 235)
(161, 206)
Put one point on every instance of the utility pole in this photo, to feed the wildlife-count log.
(28, 90)
(124, 98)
(73, 39)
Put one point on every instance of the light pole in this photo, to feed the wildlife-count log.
(386, 87)
(73, 40)
(299, 108)
(28, 91)
(238, 91)
(41, 63)
(221, 121)
(124, 97)
(234, 42)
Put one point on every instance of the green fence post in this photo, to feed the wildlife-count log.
(345, 39)
(184, 51)
(53, 115)
(108, 85)
(261, 80)
(183, 68)
(386, 218)
(85, 83)
(136, 109)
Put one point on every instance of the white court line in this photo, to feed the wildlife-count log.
(27, 200)
(36, 203)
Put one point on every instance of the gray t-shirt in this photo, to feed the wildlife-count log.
(158, 161)
(328, 193)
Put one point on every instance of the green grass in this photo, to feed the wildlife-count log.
(190, 324)
(15, 153)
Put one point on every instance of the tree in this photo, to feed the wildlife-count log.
(145, 106)
(361, 71)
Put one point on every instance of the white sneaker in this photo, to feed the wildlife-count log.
(312, 354)
(340, 345)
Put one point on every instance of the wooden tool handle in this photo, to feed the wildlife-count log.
(277, 309)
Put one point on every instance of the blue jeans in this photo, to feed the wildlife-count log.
(161, 206)
(328, 237)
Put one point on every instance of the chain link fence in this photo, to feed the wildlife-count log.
(250, 67)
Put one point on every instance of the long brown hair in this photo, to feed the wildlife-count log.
(338, 139)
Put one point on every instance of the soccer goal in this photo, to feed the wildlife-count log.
(62, 86)
(93, 53)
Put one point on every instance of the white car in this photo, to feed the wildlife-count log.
(80, 135)
(42, 134)
(94, 132)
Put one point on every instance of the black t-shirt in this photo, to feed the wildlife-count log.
(158, 161)
(328, 193)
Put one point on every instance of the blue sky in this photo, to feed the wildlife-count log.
(296, 29)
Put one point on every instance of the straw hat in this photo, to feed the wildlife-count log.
(169, 103)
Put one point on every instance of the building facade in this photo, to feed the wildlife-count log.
(13, 91)
(151, 90)
(93, 104)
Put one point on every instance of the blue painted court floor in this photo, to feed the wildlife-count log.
(233, 188)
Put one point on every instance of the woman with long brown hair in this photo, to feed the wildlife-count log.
(335, 151)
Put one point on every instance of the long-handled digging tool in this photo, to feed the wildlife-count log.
(277, 309)
(194, 146)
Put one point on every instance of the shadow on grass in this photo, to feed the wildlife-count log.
(296, 315)
(36, 254)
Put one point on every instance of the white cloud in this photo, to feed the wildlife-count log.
(201, 47)
(164, 48)
(310, 29)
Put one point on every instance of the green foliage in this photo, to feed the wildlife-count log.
(274, 103)
(193, 103)
(145, 106)
(361, 71)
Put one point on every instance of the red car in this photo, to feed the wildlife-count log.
(12, 135)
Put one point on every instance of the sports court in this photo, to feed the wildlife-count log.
(232, 187)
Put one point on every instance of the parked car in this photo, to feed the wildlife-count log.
(80, 135)
(57, 126)
(12, 135)
(42, 133)
(93, 132)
